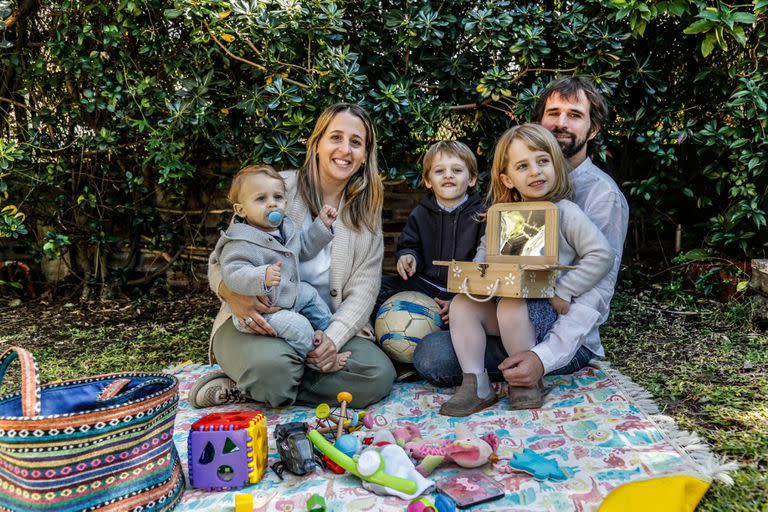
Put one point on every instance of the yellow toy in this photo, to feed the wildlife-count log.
(665, 494)
(243, 503)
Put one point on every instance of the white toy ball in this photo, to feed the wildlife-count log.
(403, 320)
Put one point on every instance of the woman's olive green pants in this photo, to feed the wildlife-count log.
(270, 371)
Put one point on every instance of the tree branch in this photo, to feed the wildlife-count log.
(522, 73)
(17, 103)
(286, 64)
(249, 62)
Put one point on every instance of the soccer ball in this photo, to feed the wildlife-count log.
(403, 320)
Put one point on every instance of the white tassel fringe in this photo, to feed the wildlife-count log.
(703, 462)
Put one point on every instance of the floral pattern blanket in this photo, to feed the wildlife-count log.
(596, 424)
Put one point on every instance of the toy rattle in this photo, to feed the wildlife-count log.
(339, 419)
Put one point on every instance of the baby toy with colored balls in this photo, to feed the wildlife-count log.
(383, 467)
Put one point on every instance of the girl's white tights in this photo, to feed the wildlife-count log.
(517, 333)
(471, 321)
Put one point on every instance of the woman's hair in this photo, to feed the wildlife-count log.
(251, 170)
(537, 138)
(451, 148)
(364, 192)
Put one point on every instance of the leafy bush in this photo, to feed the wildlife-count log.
(121, 118)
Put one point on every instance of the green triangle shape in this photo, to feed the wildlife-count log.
(230, 446)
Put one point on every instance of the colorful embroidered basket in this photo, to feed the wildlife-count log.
(101, 443)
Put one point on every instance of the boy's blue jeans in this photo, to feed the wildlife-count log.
(435, 360)
(297, 326)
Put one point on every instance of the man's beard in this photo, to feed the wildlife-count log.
(571, 146)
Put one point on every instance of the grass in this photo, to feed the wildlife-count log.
(145, 335)
(706, 367)
(705, 363)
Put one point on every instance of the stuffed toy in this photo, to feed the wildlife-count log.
(467, 450)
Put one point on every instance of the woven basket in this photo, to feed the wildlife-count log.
(101, 443)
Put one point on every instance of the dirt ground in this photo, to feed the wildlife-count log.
(71, 339)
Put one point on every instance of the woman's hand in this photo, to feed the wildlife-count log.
(325, 357)
(248, 310)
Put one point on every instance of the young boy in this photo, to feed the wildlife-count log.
(443, 226)
(260, 254)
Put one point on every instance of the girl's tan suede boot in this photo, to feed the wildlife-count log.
(466, 401)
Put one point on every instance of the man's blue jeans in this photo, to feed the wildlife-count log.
(435, 360)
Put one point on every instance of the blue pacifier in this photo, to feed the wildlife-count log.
(275, 217)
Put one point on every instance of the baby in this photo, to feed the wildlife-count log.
(260, 253)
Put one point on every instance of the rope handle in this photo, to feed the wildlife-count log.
(30, 380)
(465, 291)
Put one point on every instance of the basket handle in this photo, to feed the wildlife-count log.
(30, 380)
(114, 391)
(465, 291)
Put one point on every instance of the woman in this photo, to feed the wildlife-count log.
(340, 170)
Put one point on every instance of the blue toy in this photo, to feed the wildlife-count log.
(348, 445)
(541, 468)
(444, 504)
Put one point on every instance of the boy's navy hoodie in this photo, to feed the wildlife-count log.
(431, 233)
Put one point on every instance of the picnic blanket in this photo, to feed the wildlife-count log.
(602, 429)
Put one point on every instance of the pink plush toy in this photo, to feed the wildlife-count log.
(467, 450)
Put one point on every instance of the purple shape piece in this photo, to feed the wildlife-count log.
(226, 470)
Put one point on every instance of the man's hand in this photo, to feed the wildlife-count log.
(324, 355)
(406, 266)
(327, 215)
(272, 275)
(561, 305)
(249, 310)
(523, 369)
(445, 305)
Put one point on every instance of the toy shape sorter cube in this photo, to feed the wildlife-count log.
(521, 243)
(227, 450)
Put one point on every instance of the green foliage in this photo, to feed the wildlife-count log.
(119, 115)
(55, 245)
(11, 219)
